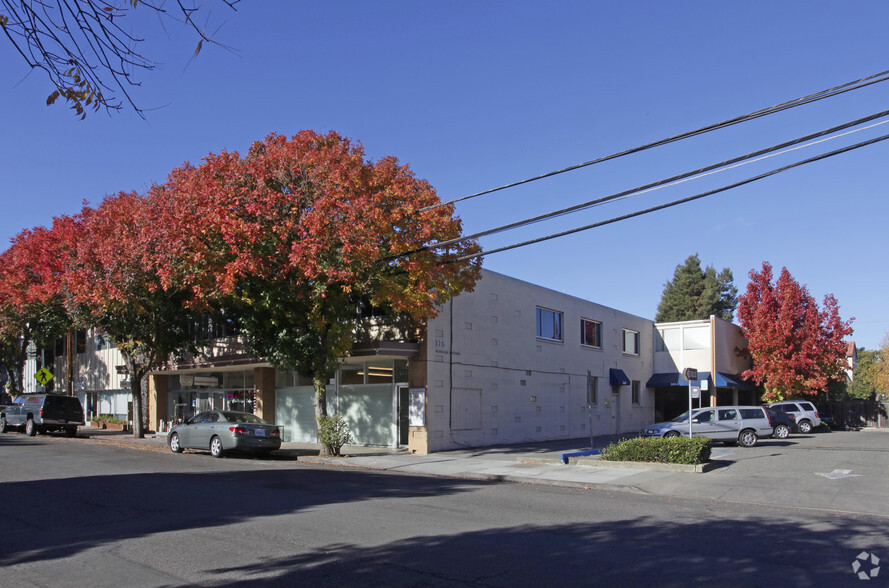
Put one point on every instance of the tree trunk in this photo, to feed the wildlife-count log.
(16, 371)
(136, 394)
(320, 383)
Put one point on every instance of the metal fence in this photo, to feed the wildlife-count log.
(855, 414)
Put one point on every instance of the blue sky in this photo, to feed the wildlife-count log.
(475, 95)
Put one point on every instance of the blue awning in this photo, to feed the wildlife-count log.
(720, 380)
(618, 377)
(670, 379)
(664, 380)
(724, 380)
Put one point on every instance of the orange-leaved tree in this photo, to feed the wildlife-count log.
(111, 287)
(297, 234)
(797, 348)
(31, 294)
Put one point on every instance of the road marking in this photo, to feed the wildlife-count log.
(837, 474)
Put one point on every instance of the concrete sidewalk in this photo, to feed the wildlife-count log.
(532, 463)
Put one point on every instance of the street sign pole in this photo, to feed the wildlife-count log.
(691, 374)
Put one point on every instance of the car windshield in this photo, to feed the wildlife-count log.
(681, 418)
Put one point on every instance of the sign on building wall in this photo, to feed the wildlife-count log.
(417, 416)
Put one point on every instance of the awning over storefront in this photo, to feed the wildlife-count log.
(617, 377)
(724, 380)
(665, 380)
(721, 380)
(669, 379)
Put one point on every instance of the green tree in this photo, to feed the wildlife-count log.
(87, 48)
(867, 373)
(696, 294)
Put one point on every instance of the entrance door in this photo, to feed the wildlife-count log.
(404, 401)
(217, 400)
(615, 411)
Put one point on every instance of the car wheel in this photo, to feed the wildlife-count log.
(175, 447)
(805, 427)
(782, 431)
(216, 447)
(671, 434)
(3, 426)
(747, 438)
(30, 428)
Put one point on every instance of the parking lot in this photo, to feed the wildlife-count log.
(844, 471)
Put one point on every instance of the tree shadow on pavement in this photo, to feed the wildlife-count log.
(633, 552)
(58, 518)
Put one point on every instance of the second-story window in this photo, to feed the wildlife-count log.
(631, 342)
(549, 324)
(590, 333)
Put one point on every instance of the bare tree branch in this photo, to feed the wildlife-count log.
(84, 49)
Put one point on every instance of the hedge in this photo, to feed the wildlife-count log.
(673, 450)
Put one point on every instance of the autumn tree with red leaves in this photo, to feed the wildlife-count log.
(31, 294)
(112, 288)
(797, 348)
(296, 235)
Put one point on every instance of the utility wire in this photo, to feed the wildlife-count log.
(748, 158)
(675, 202)
(835, 91)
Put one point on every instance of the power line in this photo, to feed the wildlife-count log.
(675, 202)
(835, 91)
(660, 183)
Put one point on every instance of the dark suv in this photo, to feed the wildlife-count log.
(39, 413)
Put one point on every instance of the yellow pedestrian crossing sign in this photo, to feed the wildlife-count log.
(43, 376)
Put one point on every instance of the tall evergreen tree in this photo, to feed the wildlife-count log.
(696, 294)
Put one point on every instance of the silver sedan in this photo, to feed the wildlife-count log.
(225, 430)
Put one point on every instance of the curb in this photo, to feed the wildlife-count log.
(632, 465)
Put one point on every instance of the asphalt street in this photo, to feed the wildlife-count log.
(112, 511)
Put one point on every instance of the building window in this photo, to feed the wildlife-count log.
(80, 341)
(592, 389)
(590, 333)
(631, 342)
(549, 324)
(696, 337)
(667, 340)
(636, 386)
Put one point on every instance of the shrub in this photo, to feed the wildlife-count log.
(333, 433)
(673, 450)
(108, 419)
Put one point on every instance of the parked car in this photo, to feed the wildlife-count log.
(225, 430)
(39, 413)
(806, 414)
(783, 423)
(730, 424)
